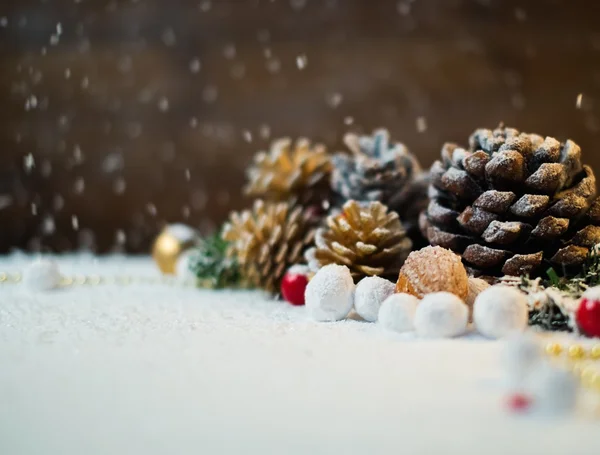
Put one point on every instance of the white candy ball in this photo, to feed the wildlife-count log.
(370, 294)
(520, 357)
(554, 389)
(330, 293)
(397, 313)
(42, 275)
(500, 311)
(441, 315)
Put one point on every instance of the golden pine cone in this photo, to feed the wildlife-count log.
(266, 240)
(365, 237)
(291, 172)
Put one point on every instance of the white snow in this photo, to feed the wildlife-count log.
(165, 369)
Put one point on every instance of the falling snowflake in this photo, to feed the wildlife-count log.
(301, 61)
(28, 163)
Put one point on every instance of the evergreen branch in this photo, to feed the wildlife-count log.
(210, 263)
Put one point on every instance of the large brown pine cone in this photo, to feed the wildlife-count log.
(380, 170)
(513, 203)
(365, 237)
(267, 240)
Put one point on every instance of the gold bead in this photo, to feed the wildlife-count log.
(66, 281)
(576, 351)
(588, 375)
(595, 352)
(171, 243)
(123, 280)
(596, 382)
(94, 280)
(577, 369)
(3, 277)
(554, 349)
(17, 278)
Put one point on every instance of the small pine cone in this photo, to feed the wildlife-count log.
(513, 203)
(297, 173)
(365, 237)
(267, 240)
(377, 170)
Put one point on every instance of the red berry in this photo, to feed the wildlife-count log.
(588, 317)
(293, 286)
(518, 402)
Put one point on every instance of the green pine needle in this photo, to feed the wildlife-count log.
(553, 276)
(210, 264)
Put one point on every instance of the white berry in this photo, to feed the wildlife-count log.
(397, 312)
(521, 356)
(500, 311)
(554, 389)
(330, 293)
(370, 294)
(42, 275)
(441, 315)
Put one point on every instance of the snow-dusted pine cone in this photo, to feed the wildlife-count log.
(513, 203)
(297, 173)
(266, 240)
(377, 170)
(365, 237)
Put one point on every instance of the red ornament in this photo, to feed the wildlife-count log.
(293, 286)
(518, 402)
(588, 316)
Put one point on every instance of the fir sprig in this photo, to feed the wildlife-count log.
(550, 298)
(587, 278)
(211, 265)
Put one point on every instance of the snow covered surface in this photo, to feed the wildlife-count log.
(159, 369)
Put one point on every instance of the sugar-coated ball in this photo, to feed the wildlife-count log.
(370, 294)
(521, 356)
(330, 293)
(500, 311)
(397, 312)
(441, 315)
(42, 275)
(554, 389)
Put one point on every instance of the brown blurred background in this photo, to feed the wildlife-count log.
(120, 116)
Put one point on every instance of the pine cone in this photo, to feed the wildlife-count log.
(298, 173)
(512, 203)
(366, 237)
(378, 170)
(267, 240)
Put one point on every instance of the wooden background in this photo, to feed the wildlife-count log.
(120, 116)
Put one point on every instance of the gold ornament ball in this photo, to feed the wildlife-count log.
(170, 244)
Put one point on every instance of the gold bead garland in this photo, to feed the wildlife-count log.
(582, 361)
(66, 281)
